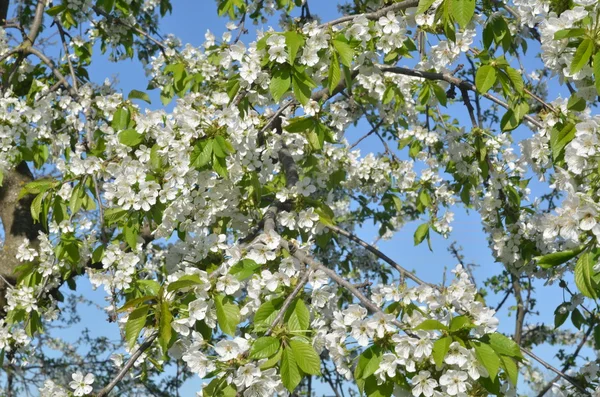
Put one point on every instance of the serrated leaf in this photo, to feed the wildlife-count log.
(462, 11)
(121, 119)
(201, 154)
(515, 78)
(267, 312)
(135, 324)
(36, 207)
(421, 232)
(164, 327)
(345, 52)
(368, 362)
(56, 10)
(334, 74)
(560, 138)
(244, 269)
(280, 83)
(596, 67)
(511, 369)
(440, 349)
(560, 315)
(485, 78)
(306, 357)
(424, 6)
(141, 95)
(584, 270)
(582, 55)
(297, 316)
(130, 137)
(558, 258)
(187, 281)
(488, 358)
(460, 322)
(114, 215)
(302, 90)
(289, 371)
(430, 324)
(264, 347)
(271, 362)
(228, 314)
(293, 41)
(503, 345)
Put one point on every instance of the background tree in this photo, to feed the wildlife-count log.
(223, 227)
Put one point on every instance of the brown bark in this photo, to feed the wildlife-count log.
(18, 223)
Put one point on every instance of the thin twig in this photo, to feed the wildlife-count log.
(121, 374)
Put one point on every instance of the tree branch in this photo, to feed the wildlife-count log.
(379, 254)
(121, 374)
(461, 84)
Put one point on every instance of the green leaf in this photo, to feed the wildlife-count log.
(306, 357)
(421, 232)
(76, 198)
(488, 358)
(567, 33)
(459, 323)
(485, 78)
(558, 258)
(228, 314)
(516, 79)
(36, 207)
(244, 269)
(135, 323)
(440, 349)
(510, 367)
(201, 154)
(271, 362)
(164, 327)
(513, 116)
(334, 74)
(264, 347)
(576, 103)
(302, 86)
(280, 83)
(577, 318)
(301, 124)
(108, 5)
(560, 138)
(462, 11)
(293, 41)
(56, 10)
(597, 71)
(266, 313)
(424, 6)
(121, 119)
(289, 371)
(131, 231)
(38, 186)
(583, 276)
(98, 254)
(440, 94)
(187, 281)
(345, 52)
(582, 55)
(429, 325)
(560, 315)
(297, 316)
(136, 94)
(114, 215)
(503, 345)
(368, 362)
(130, 137)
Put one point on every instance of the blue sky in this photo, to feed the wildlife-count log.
(189, 22)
